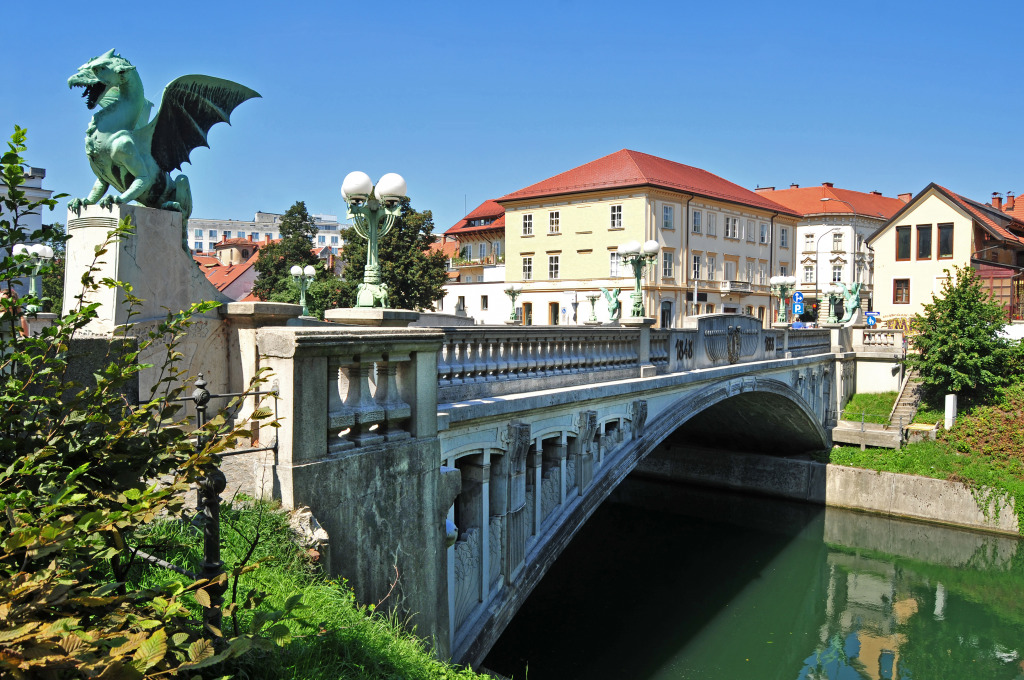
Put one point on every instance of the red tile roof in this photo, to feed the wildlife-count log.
(222, 276)
(486, 210)
(996, 221)
(628, 168)
(449, 248)
(807, 201)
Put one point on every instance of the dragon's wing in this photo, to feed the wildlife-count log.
(190, 106)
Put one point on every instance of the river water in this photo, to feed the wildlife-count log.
(667, 581)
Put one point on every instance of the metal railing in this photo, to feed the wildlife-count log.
(208, 503)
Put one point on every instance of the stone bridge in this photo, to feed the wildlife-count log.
(463, 460)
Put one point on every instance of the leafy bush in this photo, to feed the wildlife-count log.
(77, 465)
(958, 344)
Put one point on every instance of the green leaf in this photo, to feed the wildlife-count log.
(152, 651)
(202, 597)
(200, 649)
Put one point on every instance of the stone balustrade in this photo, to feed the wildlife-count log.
(492, 361)
(882, 340)
(805, 342)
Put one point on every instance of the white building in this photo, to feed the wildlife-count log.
(831, 237)
(204, 234)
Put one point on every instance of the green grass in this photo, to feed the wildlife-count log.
(337, 637)
(931, 410)
(985, 450)
(875, 407)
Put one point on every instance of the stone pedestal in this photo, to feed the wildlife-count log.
(162, 275)
(644, 323)
(371, 316)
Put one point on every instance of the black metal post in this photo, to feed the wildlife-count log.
(210, 488)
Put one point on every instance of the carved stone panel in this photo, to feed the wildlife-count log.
(467, 575)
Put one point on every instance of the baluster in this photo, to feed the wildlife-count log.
(359, 400)
(444, 367)
(339, 417)
(395, 410)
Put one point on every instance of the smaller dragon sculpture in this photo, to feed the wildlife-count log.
(611, 298)
(134, 154)
(851, 301)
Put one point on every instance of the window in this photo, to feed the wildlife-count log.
(901, 291)
(213, 234)
(712, 224)
(241, 234)
(199, 244)
(465, 252)
(334, 240)
(903, 242)
(614, 260)
(527, 268)
(553, 313)
(732, 227)
(837, 273)
(709, 308)
(750, 272)
(784, 238)
(666, 314)
(226, 235)
(460, 306)
(711, 268)
(837, 241)
(730, 270)
(321, 239)
(553, 222)
(616, 217)
(808, 273)
(762, 274)
(254, 236)
(552, 266)
(482, 251)
(199, 233)
(764, 233)
(695, 228)
(760, 314)
(527, 225)
(924, 241)
(945, 241)
(783, 270)
(666, 264)
(696, 267)
(668, 217)
(483, 303)
(496, 249)
(808, 242)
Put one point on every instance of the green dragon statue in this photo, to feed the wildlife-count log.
(134, 154)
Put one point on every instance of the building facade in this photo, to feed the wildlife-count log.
(719, 242)
(915, 252)
(205, 234)
(831, 238)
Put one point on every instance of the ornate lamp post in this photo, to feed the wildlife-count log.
(373, 210)
(303, 276)
(782, 286)
(40, 255)
(835, 294)
(639, 257)
(513, 291)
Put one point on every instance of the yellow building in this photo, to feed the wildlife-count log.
(720, 242)
(936, 230)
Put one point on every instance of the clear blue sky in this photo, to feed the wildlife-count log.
(472, 100)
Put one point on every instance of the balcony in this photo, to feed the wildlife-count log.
(742, 287)
(489, 260)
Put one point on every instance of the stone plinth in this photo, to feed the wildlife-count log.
(371, 316)
(163, 276)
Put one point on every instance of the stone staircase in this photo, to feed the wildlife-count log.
(906, 405)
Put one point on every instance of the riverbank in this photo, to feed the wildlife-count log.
(887, 493)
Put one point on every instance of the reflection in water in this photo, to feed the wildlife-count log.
(677, 582)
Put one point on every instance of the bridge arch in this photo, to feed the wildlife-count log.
(744, 413)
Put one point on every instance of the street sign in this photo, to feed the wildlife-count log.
(798, 297)
(798, 307)
(871, 320)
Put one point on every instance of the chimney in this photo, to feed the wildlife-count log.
(266, 238)
(905, 197)
(794, 186)
(1009, 202)
(997, 200)
(827, 184)
(249, 238)
(761, 190)
(876, 193)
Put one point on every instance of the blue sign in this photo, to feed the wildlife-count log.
(871, 320)
(798, 297)
(798, 307)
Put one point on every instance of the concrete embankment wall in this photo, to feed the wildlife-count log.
(886, 493)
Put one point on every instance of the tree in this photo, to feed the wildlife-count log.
(414, 279)
(957, 339)
(295, 248)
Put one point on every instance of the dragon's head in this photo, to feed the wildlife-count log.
(102, 78)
